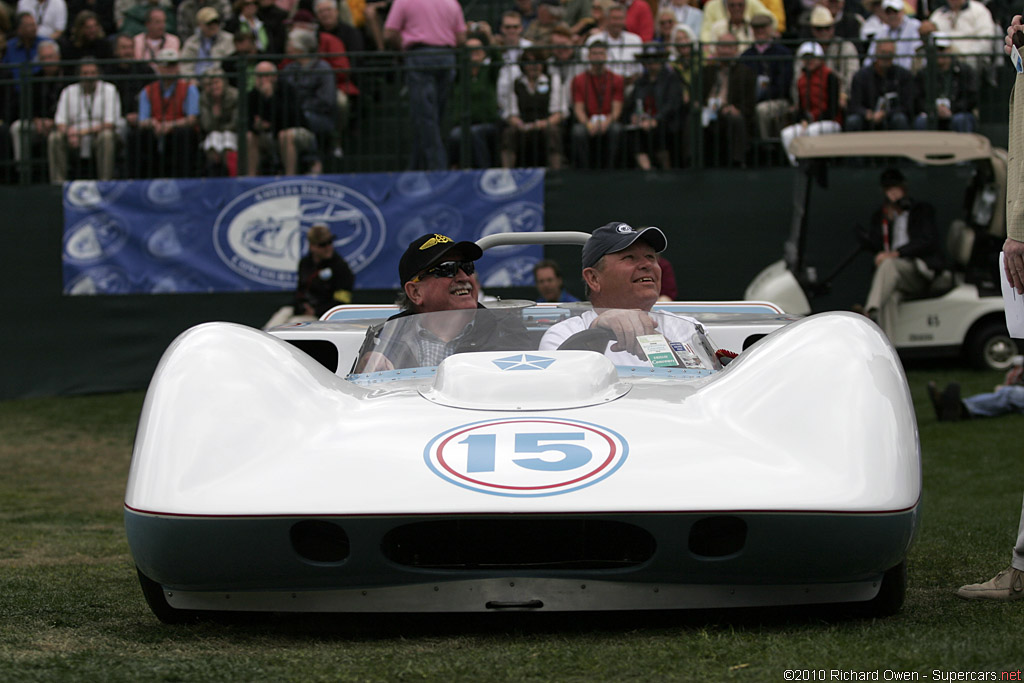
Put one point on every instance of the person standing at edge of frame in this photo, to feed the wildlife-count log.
(1009, 583)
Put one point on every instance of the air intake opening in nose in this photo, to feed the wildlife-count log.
(718, 536)
(319, 541)
(551, 544)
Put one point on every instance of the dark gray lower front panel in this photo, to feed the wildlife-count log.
(691, 560)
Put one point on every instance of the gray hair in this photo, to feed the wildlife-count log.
(303, 40)
(404, 302)
(599, 265)
(49, 43)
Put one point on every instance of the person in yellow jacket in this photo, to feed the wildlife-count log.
(714, 10)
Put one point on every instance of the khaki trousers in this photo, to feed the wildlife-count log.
(895, 279)
(104, 146)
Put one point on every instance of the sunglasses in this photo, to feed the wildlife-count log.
(448, 269)
(318, 244)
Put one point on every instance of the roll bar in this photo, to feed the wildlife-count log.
(503, 239)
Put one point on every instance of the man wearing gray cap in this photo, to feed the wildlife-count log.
(623, 281)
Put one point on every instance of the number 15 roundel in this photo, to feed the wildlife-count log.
(526, 456)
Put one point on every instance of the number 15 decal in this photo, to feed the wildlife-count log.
(482, 451)
(526, 456)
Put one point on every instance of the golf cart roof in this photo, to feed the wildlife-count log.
(926, 147)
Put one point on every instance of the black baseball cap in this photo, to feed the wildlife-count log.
(429, 250)
(617, 236)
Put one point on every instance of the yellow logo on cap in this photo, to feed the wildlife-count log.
(434, 241)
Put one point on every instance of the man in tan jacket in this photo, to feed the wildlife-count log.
(1009, 583)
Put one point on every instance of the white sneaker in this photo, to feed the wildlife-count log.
(1006, 585)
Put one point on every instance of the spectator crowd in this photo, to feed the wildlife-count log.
(147, 88)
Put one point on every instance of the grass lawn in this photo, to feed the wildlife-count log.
(71, 607)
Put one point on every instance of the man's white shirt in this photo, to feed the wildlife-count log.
(622, 52)
(51, 15)
(675, 328)
(907, 40)
(79, 111)
(512, 54)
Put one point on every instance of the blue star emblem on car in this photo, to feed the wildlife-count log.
(524, 361)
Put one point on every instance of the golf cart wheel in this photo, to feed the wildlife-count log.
(157, 601)
(990, 346)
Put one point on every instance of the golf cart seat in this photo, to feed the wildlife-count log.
(959, 247)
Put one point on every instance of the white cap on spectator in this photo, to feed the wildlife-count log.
(168, 54)
(821, 17)
(941, 39)
(893, 4)
(810, 49)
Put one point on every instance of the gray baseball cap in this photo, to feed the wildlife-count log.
(616, 236)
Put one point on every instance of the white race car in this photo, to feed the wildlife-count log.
(267, 476)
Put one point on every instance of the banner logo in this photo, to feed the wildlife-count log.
(261, 233)
(93, 239)
(100, 280)
(513, 217)
(526, 457)
(505, 183)
(91, 194)
(439, 218)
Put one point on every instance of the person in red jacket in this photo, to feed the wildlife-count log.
(640, 19)
(597, 100)
(817, 111)
(167, 138)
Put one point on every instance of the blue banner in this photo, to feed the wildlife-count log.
(247, 234)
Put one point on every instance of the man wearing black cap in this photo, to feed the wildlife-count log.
(437, 279)
(903, 237)
(623, 281)
(324, 280)
(436, 275)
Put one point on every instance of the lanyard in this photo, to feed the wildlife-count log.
(41, 11)
(86, 104)
(606, 85)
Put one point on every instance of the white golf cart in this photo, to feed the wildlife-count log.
(963, 312)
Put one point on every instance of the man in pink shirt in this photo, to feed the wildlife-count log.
(155, 37)
(427, 30)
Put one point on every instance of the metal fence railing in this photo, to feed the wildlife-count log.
(369, 127)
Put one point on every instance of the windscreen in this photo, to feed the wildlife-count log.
(627, 337)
